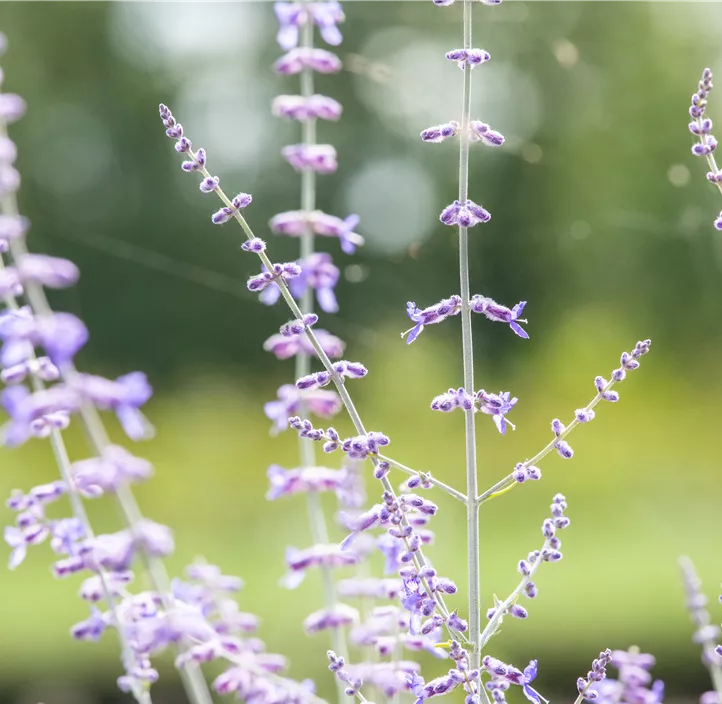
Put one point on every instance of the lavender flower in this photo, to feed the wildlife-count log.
(596, 674)
(298, 107)
(439, 133)
(701, 127)
(481, 132)
(329, 556)
(503, 675)
(296, 223)
(706, 634)
(286, 346)
(293, 15)
(468, 57)
(498, 313)
(497, 406)
(634, 683)
(467, 215)
(285, 271)
(318, 60)
(239, 202)
(335, 617)
(320, 158)
(428, 316)
(320, 402)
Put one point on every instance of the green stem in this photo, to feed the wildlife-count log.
(472, 506)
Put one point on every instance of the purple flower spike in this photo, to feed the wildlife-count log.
(481, 132)
(501, 314)
(467, 215)
(428, 316)
(497, 406)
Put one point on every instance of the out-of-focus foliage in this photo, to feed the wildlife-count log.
(602, 220)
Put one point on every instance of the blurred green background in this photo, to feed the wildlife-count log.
(602, 220)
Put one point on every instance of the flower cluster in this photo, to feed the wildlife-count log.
(460, 675)
(349, 370)
(452, 306)
(503, 676)
(706, 634)
(634, 682)
(527, 568)
(399, 520)
(495, 405)
(701, 128)
(296, 223)
(596, 674)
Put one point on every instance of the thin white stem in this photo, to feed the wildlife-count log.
(508, 481)
(472, 506)
(495, 621)
(426, 476)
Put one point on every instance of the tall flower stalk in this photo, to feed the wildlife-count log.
(197, 618)
(706, 633)
(401, 515)
(307, 108)
(46, 412)
(701, 128)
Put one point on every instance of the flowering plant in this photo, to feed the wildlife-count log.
(411, 604)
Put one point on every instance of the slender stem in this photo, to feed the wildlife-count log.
(495, 621)
(317, 520)
(472, 506)
(426, 476)
(508, 481)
